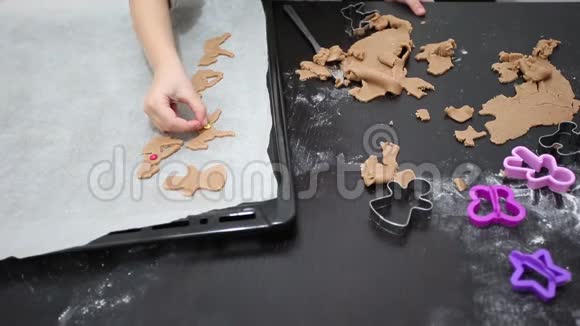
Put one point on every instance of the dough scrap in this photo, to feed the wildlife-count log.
(376, 61)
(205, 78)
(213, 178)
(545, 98)
(404, 177)
(468, 136)
(156, 150)
(423, 115)
(461, 114)
(205, 135)
(460, 184)
(439, 56)
(309, 69)
(374, 172)
(212, 50)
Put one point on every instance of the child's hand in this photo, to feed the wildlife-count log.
(415, 5)
(171, 85)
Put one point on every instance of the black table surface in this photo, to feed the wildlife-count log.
(335, 268)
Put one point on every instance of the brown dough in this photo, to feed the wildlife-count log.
(212, 50)
(312, 70)
(206, 78)
(325, 55)
(374, 172)
(546, 98)
(439, 56)
(213, 179)
(460, 115)
(160, 146)
(460, 184)
(206, 135)
(468, 136)
(340, 82)
(423, 115)
(404, 177)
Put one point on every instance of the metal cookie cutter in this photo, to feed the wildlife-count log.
(542, 263)
(405, 203)
(355, 12)
(524, 164)
(493, 194)
(563, 144)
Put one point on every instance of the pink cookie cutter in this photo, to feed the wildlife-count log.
(524, 164)
(493, 194)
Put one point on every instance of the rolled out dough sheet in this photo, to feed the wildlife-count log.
(72, 126)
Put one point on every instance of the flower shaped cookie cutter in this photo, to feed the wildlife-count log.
(563, 144)
(524, 164)
(493, 194)
(405, 203)
(541, 262)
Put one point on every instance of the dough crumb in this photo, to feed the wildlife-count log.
(309, 69)
(468, 136)
(423, 115)
(439, 56)
(460, 184)
(391, 123)
(404, 177)
(460, 115)
(373, 172)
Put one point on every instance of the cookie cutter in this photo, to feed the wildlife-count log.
(494, 194)
(542, 263)
(525, 165)
(355, 11)
(384, 209)
(563, 144)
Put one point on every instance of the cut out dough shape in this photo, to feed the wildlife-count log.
(439, 56)
(404, 177)
(423, 115)
(460, 115)
(209, 134)
(460, 184)
(213, 178)
(212, 50)
(468, 136)
(546, 98)
(158, 149)
(376, 61)
(374, 172)
(205, 78)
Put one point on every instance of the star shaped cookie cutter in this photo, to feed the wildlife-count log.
(355, 11)
(516, 212)
(563, 144)
(410, 203)
(525, 165)
(542, 263)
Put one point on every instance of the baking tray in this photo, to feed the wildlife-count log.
(272, 214)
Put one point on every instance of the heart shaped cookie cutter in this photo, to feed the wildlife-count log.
(563, 144)
(494, 194)
(524, 164)
(399, 202)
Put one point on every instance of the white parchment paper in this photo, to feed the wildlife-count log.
(73, 78)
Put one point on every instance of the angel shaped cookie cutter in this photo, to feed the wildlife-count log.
(563, 144)
(355, 12)
(526, 165)
(493, 194)
(395, 211)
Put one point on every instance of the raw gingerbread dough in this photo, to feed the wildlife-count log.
(374, 172)
(460, 184)
(376, 61)
(468, 136)
(545, 98)
(423, 115)
(309, 69)
(460, 115)
(206, 135)
(158, 149)
(206, 78)
(404, 177)
(212, 50)
(439, 56)
(212, 179)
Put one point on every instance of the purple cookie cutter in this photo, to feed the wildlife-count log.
(559, 179)
(515, 211)
(542, 263)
